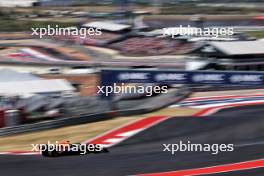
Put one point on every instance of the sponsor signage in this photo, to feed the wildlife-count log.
(108, 77)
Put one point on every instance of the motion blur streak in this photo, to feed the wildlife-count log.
(211, 110)
(214, 169)
(126, 131)
(143, 153)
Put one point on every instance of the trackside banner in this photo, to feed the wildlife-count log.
(108, 77)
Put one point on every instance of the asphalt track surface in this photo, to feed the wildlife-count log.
(242, 126)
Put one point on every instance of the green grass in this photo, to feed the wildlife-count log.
(257, 34)
(12, 25)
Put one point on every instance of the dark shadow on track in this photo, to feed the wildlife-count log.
(143, 152)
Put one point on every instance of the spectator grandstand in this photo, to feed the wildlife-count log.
(109, 32)
(151, 46)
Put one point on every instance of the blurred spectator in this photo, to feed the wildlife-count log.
(150, 46)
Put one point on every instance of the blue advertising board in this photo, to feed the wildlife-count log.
(109, 77)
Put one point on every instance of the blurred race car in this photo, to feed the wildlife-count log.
(65, 148)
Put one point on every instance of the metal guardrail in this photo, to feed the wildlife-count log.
(54, 123)
(153, 105)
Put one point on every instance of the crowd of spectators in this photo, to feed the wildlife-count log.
(89, 39)
(150, 46)
(103, 38)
